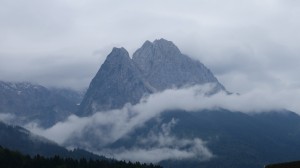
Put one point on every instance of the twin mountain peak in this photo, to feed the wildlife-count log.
(154, 67)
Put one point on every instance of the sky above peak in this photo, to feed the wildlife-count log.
(62, 43)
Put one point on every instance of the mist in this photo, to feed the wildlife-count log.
(252, 47)
(106, 127)
(7, 118)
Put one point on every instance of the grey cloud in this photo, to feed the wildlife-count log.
(245, 42)
(163, 146)
(68, 70)
(197, 151)
(193, 99)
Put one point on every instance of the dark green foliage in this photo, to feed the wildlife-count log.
(295, 164)
(11, 159)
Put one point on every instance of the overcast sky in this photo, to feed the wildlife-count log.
(247, 44)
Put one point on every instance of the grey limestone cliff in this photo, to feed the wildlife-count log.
(118, 81)
(164, 66)
(154, 67)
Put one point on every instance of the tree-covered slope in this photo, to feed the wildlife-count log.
(12, 159)
(236, 140)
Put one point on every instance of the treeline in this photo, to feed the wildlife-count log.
(12, 159)
(295, 164)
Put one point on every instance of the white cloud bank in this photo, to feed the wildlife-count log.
(158, 146)
(7, 118)
(104, 128)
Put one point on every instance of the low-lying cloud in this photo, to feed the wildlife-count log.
(102, 129)
(162, 145)
(7, 117)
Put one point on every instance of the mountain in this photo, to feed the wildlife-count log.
(154, 67)
(31, 102)
(21, 148)
(164, 66)
(237, 140)
(20, 139)
(118, 81)
(206, 138)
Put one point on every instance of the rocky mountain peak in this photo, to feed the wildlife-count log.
(164, 66)
(118, 52)
(156, 66)
(118, 81)
(165, 46)
(118, 55)
(159, 49)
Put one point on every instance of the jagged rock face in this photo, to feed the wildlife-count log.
(164, 66)
(30, 102)
(117, 82)
(154, 67)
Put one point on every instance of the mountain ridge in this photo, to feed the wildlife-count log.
(33, 102)
(164, 66)
(154, 67)
(235, 139)
(118, 77)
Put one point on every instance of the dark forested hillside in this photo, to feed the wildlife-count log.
(295, 164)
(20, 139)
(13, 159)
(237, 140)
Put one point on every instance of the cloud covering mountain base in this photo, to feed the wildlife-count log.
(98, 131)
